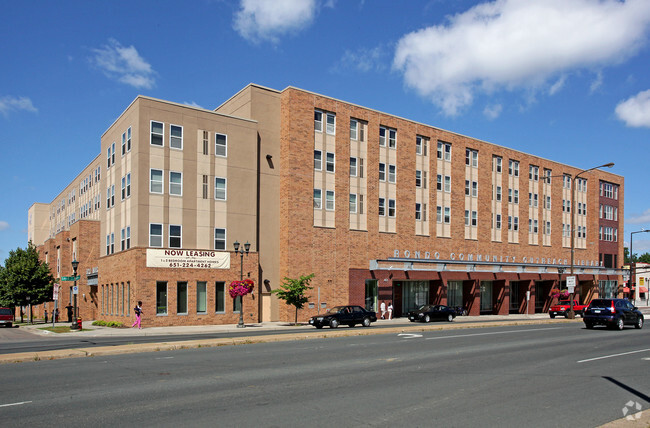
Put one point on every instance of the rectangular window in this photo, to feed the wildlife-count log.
(219, 239)
(353, 167)
(318, 160)
(201, 297)
(112, 243)
(176, 137)
(353, 202)
(176, 183)
(516, 196)
(329, 162)
(161, 298)
(220, 188)
(155, 235)
(360, 204)
(391, 173)
(421, 145)
(516, 223)
(128, 237)
(128, 185)
(123, 188)
(220, 145)
(113, 153)
(498, 194)
(123, 143)
(391, 208)
(354, 127)
(122, 240)
(112, 195)
(439, 182)
(108, 247)
(205, 187)
(447, 215)
(382, 171)
(331, 123)
(128, 140)
(329, 200)
(418, 178)
(206, 142)
(498, 161)
(181, 297)
(418, 211)
(382, 136)
(382, 207)
(318, 121)
(318, 199)
(447, 184)
(474, 218)
(439, 214)
(471, 158)
(219, 296)
(444, 151)
(498, 222)
(156, 184)
(474, 189)
(157, 133)
(175, 236)
(392, 138)
(513, 168)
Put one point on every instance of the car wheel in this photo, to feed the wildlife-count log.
(366, 322)
(450, 317)
(334, 323)
(639, 323)
(552, 315)
(427, 318)
(318, 326)
(619, 324)
(589, 325)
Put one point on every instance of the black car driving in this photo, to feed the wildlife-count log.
(349, 315)
(613, 313)
(427, 313)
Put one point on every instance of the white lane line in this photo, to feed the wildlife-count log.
(164, 358)
(490, 333)
(614, 355)
(409, 335)
(15, 404)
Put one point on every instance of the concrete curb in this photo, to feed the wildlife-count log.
(247, 340)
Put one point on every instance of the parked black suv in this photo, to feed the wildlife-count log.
(614, 313)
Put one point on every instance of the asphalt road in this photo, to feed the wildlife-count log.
(539, 375)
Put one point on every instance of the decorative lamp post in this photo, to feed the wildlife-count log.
(75, 326)
(571, 314)
(632, 282)
(245, 249)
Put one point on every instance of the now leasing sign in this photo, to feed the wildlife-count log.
(184, 259)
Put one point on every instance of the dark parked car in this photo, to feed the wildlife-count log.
(350, 315)
(614, 313)
(426, 313)
(6, 317)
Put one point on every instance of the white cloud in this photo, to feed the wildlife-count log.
(124, 64)
(192, 104)
(4, 225)
(492, 111)
(639, 218)
(9, 103)
(597, 83)
(514, 44)
(555, 87)
(268, 20)
(635, 111)
(364, 60)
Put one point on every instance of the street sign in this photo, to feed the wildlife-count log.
(55, 292)
(571, 283)
(75, 289)
(70, 278)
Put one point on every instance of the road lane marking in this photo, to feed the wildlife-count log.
(490, 333)
(409, 335)
(613, 355)
(15, 404)
(164, 358)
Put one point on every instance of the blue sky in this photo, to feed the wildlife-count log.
(567, 80)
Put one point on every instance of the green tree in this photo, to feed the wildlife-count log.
(644, 258)
(25, 279)
(292, 291)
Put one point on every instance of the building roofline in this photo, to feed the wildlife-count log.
(201, 109)
(437, 128)
(250, 85)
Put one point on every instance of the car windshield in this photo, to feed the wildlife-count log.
(424, 308)
(601, 303)
(5, 311)
(336, 309)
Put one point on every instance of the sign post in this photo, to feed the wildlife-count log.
(55, 297)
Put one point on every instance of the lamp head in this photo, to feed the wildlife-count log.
(75, 265)
(236, 245)
(247, 246)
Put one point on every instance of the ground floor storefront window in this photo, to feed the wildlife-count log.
(454, 293)
(414, 295)
(161, 298)
(608, 289)
(371, 295)
(486, 296)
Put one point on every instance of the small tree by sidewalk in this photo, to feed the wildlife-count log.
(292, 291)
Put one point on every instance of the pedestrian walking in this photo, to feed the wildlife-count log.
(138, 315)
(45, 315)
(69, 308)
(56, 315)
(382, 308)
(390, 310)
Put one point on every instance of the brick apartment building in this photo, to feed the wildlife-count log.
(378, 207)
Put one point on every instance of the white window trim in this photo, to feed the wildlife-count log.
(162, 235)
(225, 238)
(170, 137)
(225, 185)
(170, 183)
(169, 236)
(162, 178)
(319, 199)
(151, 122)
(320, 161)
(327, 193)
(216, 134)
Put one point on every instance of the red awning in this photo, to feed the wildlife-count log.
(643, 289)
(626, 289)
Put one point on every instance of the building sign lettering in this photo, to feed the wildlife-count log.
(192, 259)
(489, 258)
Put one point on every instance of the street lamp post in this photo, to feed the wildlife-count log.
(241, 252)
(632, 283)
(75, 265)
(571, 314)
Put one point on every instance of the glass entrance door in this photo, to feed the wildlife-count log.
(371, 295)
(486, 296)
(415, 294)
